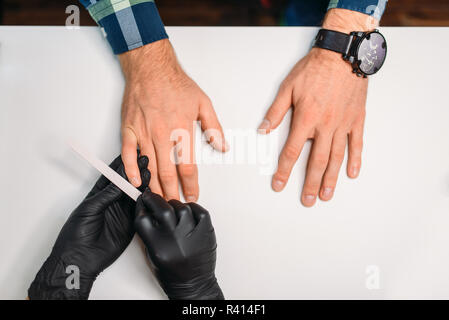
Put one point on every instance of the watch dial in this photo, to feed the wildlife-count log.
(372, 52)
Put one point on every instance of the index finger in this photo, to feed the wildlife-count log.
(289, 155)
(129, 156)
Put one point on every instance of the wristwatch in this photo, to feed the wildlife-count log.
(366, 51)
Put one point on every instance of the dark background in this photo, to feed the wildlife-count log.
(218, 12)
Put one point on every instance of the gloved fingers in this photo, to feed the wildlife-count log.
(183, 214)
(145, 174)
(199, 213)
(142, 162)
(159, 209)
(143, 222)
(140, 207)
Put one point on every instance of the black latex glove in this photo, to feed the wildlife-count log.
(94, 236)
(181, 246)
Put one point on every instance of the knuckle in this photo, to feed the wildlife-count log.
(291, 152)
(129, 141)
(167, 175)
(330, 180)
(160, 131)
(357, 148)
(328, 120)
(355, 159)
(166, 214)
(188, 170)
(131, 171)
(309, 99)
(338, 155)
(142, 220)
(204, 215)
(345, 127)
(130, 166)
(311, 189)
(281, 175)
(320, 161)
(159, 135)
(184, 210)
(331, 176)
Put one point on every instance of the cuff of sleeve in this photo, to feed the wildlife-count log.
(374, 8)
(128, 24)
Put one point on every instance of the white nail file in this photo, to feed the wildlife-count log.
(105, 170)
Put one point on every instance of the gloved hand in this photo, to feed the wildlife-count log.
(94, 236)
(181, 245)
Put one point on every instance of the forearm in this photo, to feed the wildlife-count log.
(156, 60)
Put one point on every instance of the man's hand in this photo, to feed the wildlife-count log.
(160, 98)
(328, 103)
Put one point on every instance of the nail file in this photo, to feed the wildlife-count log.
(105, 170)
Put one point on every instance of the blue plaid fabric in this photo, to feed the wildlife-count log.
(373, 8)
(311, 12)
(127, 24)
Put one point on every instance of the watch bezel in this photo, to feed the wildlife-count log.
(356, 63)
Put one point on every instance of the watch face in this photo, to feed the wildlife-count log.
(372, 52)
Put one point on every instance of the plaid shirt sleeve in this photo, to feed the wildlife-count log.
(373, 8)
(127, 24)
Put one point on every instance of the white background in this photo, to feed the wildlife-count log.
(57, 83)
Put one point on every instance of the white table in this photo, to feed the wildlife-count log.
(57, 83)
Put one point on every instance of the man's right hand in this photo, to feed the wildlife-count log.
(160, 98)
(181, 245)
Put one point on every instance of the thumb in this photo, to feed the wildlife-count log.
(212, 127)
(277, 111)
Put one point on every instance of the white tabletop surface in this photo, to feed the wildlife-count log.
(57, 83)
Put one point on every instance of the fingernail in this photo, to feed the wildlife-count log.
(327, 192)
(190, 198)
(278, 185)
(309, 199)
(264, 127)
(135, 182)
(354, 172)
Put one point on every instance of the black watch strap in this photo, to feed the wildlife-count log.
(333, 40)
